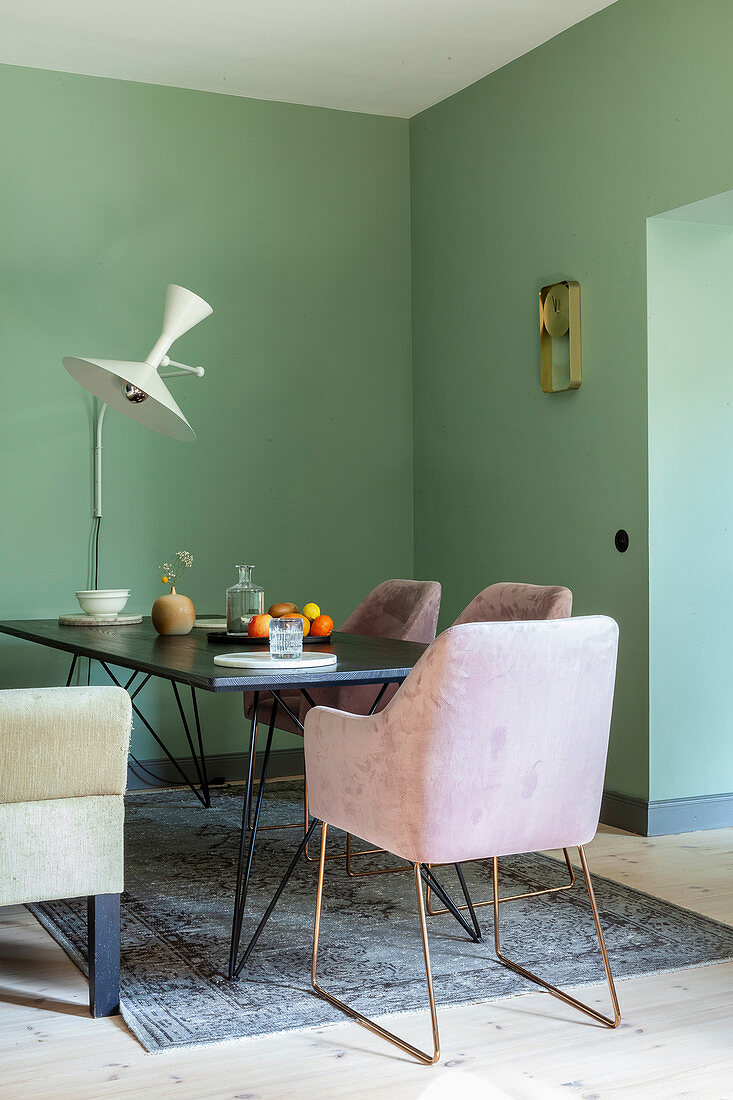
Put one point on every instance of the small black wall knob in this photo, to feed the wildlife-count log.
(621, 540)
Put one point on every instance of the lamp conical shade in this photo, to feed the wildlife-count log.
(183, 310)
(106, 379)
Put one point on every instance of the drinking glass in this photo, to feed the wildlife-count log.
(286, 639)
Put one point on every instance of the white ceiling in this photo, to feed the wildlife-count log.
(390, 57)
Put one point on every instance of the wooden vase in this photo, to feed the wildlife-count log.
(173, 614)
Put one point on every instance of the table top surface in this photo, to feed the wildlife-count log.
(189, 658)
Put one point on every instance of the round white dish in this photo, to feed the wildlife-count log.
(103, 601)
(210, 624)
(263, 661)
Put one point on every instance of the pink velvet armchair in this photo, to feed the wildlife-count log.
(494, 745)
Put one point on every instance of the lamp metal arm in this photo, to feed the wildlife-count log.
(181, 369)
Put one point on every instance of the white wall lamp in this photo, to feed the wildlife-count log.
(137, 389)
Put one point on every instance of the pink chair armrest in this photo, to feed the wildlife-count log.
(350, 784)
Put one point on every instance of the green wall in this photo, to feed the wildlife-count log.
(316, 411)
(294, 223)
(690, 273)
(546, 169)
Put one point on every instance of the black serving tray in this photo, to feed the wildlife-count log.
(221, 636)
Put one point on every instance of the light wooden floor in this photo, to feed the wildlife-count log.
(676, 1039)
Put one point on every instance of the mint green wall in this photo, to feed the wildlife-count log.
(690, 274)
(294, 223)
(546, 169)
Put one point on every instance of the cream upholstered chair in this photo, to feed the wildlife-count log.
(494, 745)
(63, 765)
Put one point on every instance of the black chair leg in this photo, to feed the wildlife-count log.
(103, 934)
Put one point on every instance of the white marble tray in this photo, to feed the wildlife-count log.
(262, 661)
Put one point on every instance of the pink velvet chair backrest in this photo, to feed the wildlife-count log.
(495, 744)
(510, 601)
(403, 609)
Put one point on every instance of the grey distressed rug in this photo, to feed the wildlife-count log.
(176, 913)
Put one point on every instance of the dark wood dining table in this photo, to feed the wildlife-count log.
(188, 662)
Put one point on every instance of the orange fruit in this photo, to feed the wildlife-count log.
(303, 618)
(259, 626)
(322, 626)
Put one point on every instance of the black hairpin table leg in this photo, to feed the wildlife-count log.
(202, 791)
(469, 903)
(432, 882)
(199, 762)
(238, 902)
(276, 897)
(246, 852)
(70, 677)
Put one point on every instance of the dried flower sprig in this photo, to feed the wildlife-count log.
(182, 560)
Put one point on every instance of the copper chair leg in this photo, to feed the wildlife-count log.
(511, 897)
(605, 1020)
(422, 1056)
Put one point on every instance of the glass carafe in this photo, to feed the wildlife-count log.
(244, 599)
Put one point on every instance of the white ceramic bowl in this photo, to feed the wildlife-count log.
(103, 601)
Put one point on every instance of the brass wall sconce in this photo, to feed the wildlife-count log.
(560, 336)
